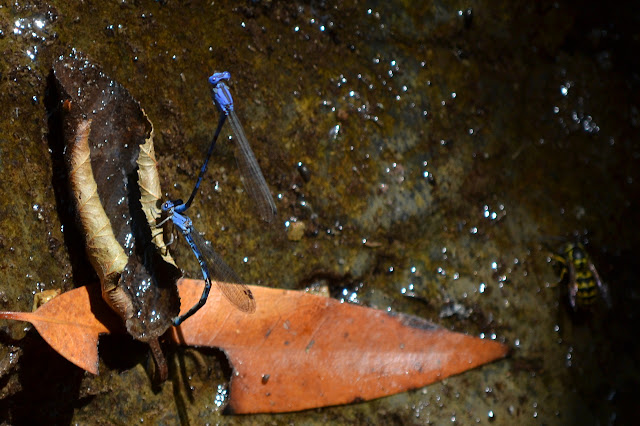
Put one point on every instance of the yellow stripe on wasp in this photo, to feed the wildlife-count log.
(582, 278)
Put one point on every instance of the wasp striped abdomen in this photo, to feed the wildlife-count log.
(582, 278)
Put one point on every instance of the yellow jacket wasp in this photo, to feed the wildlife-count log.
(584, 282)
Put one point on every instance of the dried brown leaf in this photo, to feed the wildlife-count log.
(151, 194)
(109, 148)
(105, 253)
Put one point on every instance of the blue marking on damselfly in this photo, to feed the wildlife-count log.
(254, 182)
(227, 281)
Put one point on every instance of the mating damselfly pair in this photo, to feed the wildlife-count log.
(211, 264)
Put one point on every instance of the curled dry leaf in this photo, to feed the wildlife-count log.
(104, 129)
(151, 194)
(106, 255)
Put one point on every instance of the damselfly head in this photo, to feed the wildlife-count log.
(167, 206)
(218, 76)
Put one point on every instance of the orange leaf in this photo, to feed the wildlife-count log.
(300, 351)
(71, 324)
(297, 351)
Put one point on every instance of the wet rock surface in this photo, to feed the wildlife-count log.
(448, 150)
